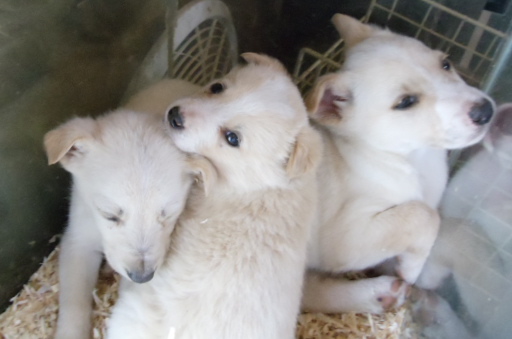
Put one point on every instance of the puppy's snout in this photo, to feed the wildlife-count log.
(175, 118)
(482, 112)
(140, 276)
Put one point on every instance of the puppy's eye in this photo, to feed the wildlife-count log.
(115, 218)
(217, 88)
(167, 219)
(406, 102)
(446, 65)
(232, 138)
(112, 218)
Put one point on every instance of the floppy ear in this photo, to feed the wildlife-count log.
(326, 101)
(265, 60)
(69, 142)
(306, 153)
(203, 168)
(351, 30)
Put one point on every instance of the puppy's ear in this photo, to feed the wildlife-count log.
(306, 153)
(265, 60)
(351, 30)
(326, 101)
(70, 141)
(204, 169)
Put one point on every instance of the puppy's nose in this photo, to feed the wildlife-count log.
(482, 112)
(140, 276)
(175, 118)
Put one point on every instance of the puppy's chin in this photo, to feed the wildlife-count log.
(182, 142)
(479, 136)
(467, 141)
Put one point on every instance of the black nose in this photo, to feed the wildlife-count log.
(175, 118)
(482, 112)
(140, 276)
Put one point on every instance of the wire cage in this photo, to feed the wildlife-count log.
(205, 54)
(204, 47)
(473, 45)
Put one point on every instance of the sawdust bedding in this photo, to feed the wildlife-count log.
(33, 313)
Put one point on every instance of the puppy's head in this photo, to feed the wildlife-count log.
(397, 94)
(129, 180)
(252, 126)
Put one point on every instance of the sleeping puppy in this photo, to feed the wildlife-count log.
(387, 119)
(238, 254)
(130, 183)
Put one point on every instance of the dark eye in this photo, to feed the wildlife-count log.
(113, 218)
(217, 88)
(446, 65)
(406, 102)
(232, 138)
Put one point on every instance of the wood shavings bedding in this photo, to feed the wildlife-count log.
(33, 312)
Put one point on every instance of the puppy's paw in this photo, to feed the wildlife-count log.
(390, 293)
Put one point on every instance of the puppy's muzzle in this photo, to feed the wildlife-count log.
(482, 112)
(140, 276)
(175, 118)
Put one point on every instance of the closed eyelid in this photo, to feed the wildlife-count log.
(169, 214)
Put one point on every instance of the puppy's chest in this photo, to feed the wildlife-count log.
(241, 233)
(391, 179)
(209, 252)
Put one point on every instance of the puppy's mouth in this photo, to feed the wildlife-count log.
(175, 118)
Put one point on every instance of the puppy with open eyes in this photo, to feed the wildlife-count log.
(386, 118)
(237, 258)
(130, 183)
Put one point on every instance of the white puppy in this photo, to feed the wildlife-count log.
(157, 97)
(387, 119)
(129, 185)
(237, 258)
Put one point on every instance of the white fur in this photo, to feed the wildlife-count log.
(238, 253)
(157, 98)
(384, 169)
(123, 166)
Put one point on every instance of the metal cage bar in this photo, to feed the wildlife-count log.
(475, 74)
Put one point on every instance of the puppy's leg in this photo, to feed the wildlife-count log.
(406, 231)
(412, 260)
(137, 314)
(332, 295)
(78, 273)
(79, 263)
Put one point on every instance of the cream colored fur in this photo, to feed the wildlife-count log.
(157, 97)
(238, 253)
(384, 166)
(129, 185)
